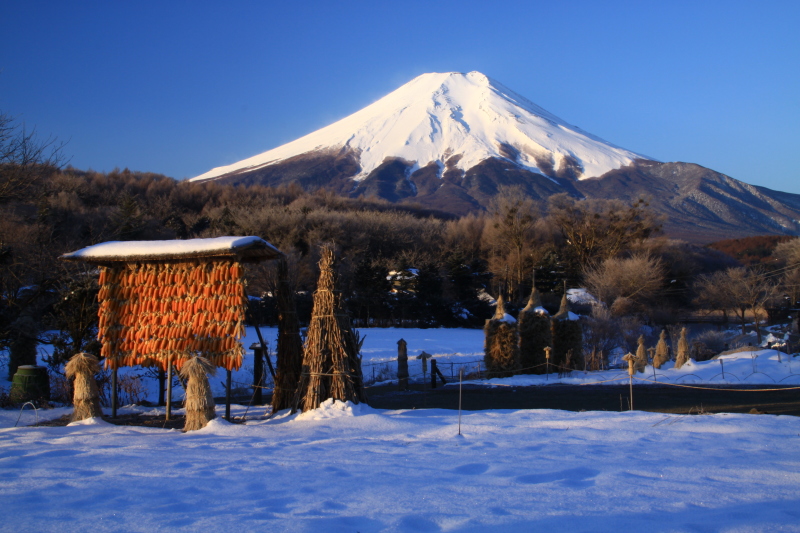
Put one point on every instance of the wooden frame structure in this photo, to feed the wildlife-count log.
(163, 302)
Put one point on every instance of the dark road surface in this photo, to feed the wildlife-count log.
(662, 399)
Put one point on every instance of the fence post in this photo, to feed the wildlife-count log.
(433, 373)
(402, 365)
(630, 358)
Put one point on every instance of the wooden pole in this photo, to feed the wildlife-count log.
(433, 373)
(228, 396)
(402, 365)
(258, 374)
(162, 378)
(169, 390)
(114, 397)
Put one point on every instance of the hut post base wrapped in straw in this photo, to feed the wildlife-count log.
(82, 367)
(199, 401)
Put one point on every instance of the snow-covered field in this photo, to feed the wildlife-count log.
(463, 348)
(354, 468)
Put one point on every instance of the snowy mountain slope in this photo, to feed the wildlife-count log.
(452, 117)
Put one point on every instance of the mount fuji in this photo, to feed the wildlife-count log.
(450, 141)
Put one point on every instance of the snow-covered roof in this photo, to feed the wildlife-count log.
(253, 248)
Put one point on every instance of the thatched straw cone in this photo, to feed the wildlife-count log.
(567, 339)
(86, 397)
(641, 356)
(501, 344)
(290, 345)
(534, 335)
(683, 350)
(199, 400)
(662, 351)
(331, 365)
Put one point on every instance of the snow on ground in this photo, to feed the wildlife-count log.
(349, 467)
(354, 468)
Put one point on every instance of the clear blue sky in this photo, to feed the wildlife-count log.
(179, 87)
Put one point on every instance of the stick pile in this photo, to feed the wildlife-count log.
(331, 366)
(153, 313)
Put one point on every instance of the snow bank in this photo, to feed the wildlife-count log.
(409, 471)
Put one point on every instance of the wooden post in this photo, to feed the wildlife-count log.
(258, 373)
(547, 351)
(402, 365)
(114, 397)
(162, 381)
(228, 396)
(433, 373)
(630, 358)
(169, 390)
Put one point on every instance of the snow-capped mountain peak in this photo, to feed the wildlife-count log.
(454, 120)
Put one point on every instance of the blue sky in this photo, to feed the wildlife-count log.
(179, 87)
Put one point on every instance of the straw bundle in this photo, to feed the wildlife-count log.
(501, 344)
(662, 351)
(567, 338)
(683, 350)
(641, 356)
(199, 401)
(290, 345)
(534, 335)
(151, 313)
(331, 366)
(86, 397)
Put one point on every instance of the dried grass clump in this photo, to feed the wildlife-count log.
(683, 350)
(534, 336)
(199, 400)
(641, 356)
(331, 364)
(290, 345)
(567, 339)
(82, 367)
(501, 345)
(662, 350)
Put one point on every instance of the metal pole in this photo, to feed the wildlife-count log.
(460, 380)
(114, 393)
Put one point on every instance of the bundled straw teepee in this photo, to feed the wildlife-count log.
(199, 401)
(641, 356)
(534, 335)
(501, 344)
(567, 338)
(290, 345)
(662, 351)
(683, 350)
(331, 364)
(86, 397)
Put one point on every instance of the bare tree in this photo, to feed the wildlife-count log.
(24, 160)
(788, 254)
(638, 278)
(595, 230)
(741, 290)
(510, 229)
